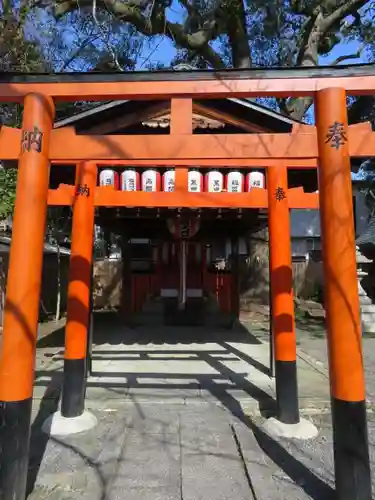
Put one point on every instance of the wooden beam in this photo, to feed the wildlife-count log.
(302, 127)
(297, 198)
(235, 146)
(298, 87)
(240, 150)
(181, 125)
(285, 82)
(302, 163)
(158, 109)
(356, 128)
(181, 117)
(129, 119)
(227, 118)
(108, 197)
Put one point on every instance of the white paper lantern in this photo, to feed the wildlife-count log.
(255, 180)
(195, 181)
(169, 180)
(129, 180)
(235, 182)
(150, 180)
(214, 181)
(108, 177)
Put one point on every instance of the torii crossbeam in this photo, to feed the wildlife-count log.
(329, 147)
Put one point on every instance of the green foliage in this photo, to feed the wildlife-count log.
(58, 225)
(122, 35)
(16, 54)
(8, 182)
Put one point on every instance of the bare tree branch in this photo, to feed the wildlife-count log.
(105, 38)
(156, 24)
(348, 7)
(77, 52)
(346, 58)
(317, 27)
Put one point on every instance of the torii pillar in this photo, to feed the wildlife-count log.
(73, 418)
(344, 336)
(21, 316)
(287, 422)
(281, 282)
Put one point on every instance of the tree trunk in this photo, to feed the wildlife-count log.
(237, 33)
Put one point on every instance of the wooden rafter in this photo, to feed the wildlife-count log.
(126, 120)
(227, 118)
(158, 110)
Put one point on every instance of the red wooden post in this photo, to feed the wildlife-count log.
(22, 299)
(79, 289)
(281, 282)
(344, 336)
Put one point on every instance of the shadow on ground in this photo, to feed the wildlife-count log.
(110, 330)
(38, 440)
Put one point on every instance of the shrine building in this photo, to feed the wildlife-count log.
(225, 257)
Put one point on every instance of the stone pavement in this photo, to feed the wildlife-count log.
(179, 365)
(180, 415)
(144, 451)
(312, 349)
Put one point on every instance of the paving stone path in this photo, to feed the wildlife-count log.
(178, 452)
(180, 418)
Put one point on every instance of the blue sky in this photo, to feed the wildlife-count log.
(339, 50)
(162, 49)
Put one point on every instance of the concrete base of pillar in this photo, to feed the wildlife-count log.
(57, 425)
(303, 430)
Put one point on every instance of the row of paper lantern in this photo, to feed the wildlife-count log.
(213, 181)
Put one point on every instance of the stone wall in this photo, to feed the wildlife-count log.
(308, 279)
(254, 270)
(107, 283)
(49, 282)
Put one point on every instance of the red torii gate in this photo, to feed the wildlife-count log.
(329, 146)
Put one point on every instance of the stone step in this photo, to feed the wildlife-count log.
(361, 259)
(364, 300)
(367, 308)
(368, 317)
(368, 327)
